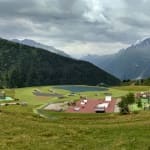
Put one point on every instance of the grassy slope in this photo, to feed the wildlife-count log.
(25, 94)
(21, 129)
(133, 88)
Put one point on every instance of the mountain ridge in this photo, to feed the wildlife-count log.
(35, 44)
(23, 65)
(130, 63)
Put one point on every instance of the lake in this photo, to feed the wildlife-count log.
(77, 88)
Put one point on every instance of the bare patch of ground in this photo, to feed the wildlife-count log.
(57, 107)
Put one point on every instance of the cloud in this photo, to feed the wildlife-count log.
(76, 25)
(78, 49)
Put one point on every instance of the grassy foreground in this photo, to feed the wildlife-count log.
(21, 129)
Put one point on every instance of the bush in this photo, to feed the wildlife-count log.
(139, 103)
(124, 109)
(130, 98)
(125, 101)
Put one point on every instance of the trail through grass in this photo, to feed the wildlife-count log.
(21, 129)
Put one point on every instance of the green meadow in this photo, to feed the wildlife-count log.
(25, 94)
(21, 128)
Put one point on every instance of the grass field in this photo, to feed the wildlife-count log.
(133, 88)
(25, 94)
(21, 129)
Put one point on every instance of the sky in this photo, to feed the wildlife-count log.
(78, 27)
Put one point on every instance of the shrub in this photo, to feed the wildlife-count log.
(139, 103)
(125, 101)
(130, 98)
(124, 109)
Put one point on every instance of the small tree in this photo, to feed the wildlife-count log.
(124, 109)
(139, 103)
(125, 101)
(130, 98)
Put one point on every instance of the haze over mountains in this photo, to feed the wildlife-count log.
(130, 63)
(33, 43)
(23, 65)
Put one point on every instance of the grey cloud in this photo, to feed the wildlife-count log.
(136, 22)
(65, 21)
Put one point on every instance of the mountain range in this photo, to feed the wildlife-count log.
(33, 43)
(130, 63)
(22, 65)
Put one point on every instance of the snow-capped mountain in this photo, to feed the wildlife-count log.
(130, 63)
(140, 41)
(42, 46)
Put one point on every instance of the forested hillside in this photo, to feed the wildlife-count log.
(22, 65)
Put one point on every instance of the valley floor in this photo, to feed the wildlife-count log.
(21, 129)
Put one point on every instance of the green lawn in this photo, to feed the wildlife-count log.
(21, 129)
(25, 94)
(134, 107)
(132, 88)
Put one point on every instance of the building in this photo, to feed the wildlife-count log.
(2, 95)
